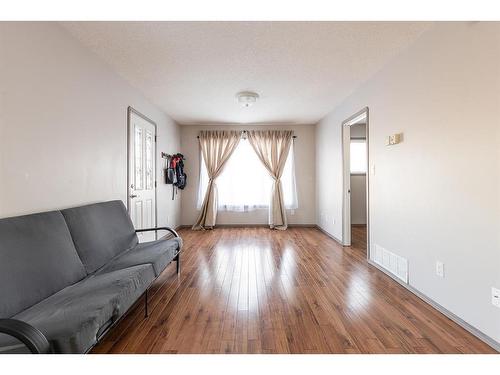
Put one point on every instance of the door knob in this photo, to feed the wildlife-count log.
(133, 196)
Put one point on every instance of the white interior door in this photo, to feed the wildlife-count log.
(346, 149)
(142, 174)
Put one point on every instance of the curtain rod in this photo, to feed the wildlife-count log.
(244, 131)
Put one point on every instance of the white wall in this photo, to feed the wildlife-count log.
(304, 169)
(358, 199)
(358, 183)
(64, 124)
(436, 196)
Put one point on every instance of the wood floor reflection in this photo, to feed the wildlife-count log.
(253, 290)
(358, 237)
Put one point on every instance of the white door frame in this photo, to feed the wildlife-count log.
(131, 111)
(346, 176)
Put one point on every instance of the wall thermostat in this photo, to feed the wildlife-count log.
(394, 139)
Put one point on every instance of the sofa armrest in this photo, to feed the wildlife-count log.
(157, 229)
(30, 336)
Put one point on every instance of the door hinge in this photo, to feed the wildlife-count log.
(155, 138)
(155, 184)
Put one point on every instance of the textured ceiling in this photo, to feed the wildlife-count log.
(192, 70)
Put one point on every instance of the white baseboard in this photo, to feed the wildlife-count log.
(253, 226)
(329, 235)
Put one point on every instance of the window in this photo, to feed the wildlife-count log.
(245, 184)
(358, 156)
(138, 179)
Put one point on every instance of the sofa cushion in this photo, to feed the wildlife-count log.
(72, 318)
(37, 259)
(100, 232)
(157, 253)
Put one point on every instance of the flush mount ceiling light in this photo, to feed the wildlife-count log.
(247, 98)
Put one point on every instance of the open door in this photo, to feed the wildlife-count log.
(141, 183)
(355, 145)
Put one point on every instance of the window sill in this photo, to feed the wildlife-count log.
(225, 209)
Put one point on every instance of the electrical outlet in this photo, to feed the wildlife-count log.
(333, 221)
(495, 297)
(440, 269)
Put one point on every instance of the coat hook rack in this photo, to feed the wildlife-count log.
(164, 155)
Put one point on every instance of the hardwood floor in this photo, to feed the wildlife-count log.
(358, 237)
(253, 290)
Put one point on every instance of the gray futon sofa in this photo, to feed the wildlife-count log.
(67, 276)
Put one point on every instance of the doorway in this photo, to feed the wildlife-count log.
(355, 147)
(141, 177)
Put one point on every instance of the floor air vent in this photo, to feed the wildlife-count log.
(391, 262)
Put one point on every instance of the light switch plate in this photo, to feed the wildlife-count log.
(495, 297)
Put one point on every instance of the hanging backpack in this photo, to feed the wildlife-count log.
(174, 173)
(179, 172)
(169, 172)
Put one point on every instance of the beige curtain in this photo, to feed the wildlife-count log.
(216, 148)
(272, 147)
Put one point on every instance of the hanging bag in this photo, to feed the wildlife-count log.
(179, 171)
(174, 173)
(169, 172)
